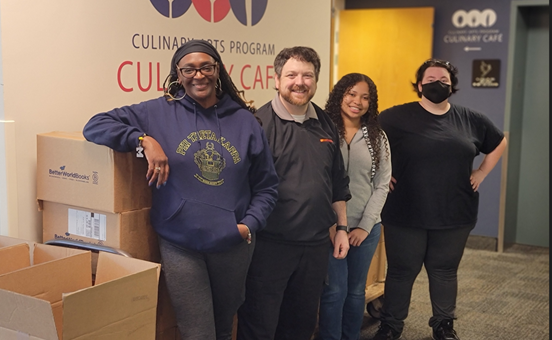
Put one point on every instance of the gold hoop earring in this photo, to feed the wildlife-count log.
(168, 92)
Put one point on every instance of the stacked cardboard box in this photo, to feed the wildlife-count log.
(47, 294)
(93, 194)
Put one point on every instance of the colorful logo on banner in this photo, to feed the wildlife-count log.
(214, 10)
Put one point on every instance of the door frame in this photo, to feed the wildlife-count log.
(510, 171)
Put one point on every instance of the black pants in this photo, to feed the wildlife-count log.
(407, 249)
(283, 289)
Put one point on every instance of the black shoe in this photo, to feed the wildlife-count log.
(386, 333)
(445, 331)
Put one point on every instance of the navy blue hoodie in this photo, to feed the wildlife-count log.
(221, 167)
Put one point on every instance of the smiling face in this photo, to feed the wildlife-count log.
(200, 87)
(355, 102)
(297, 83)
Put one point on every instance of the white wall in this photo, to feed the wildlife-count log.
(4, 230)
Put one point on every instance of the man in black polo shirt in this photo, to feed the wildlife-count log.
(290, 260)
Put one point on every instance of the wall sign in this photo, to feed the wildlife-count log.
(486, 73)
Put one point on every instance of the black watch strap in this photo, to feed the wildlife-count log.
(342, 227)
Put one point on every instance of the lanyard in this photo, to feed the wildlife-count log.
(365, 134)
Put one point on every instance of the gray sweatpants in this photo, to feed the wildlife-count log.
(206, 289)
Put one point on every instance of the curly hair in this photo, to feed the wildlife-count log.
(369, 119)
(452, 70)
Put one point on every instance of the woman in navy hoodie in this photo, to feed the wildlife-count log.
(215, 184)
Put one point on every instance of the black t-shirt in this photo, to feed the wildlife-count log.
(432, 159)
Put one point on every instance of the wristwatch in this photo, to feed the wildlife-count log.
(342, 227)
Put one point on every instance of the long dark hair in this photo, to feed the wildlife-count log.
(369, 119)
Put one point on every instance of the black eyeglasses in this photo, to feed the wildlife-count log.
(190, 72)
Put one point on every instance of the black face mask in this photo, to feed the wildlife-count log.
(436, 91)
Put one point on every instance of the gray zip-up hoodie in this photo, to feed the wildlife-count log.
(368, 197)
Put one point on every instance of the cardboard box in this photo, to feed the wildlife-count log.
(71, 170)
(6, 241)
(130, 231)
(56, 300)
(20, 254)
(16, 252)
(14, 258)
(166, 327)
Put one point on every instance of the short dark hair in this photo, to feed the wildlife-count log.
(452, 70)
(301, 53)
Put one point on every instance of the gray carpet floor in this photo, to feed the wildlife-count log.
(501, 296)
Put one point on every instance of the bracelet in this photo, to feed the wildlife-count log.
(140, 148)
(248, 239)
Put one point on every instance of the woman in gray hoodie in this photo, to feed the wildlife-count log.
(353, 106)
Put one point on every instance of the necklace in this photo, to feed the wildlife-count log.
(365, 134)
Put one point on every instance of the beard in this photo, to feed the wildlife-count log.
(287, 95)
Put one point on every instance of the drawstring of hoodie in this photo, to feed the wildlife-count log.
(219, 131)
(195, 125)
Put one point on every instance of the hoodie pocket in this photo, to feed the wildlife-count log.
(203, 227)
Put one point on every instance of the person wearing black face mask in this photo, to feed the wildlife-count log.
(433, 200)
(436, 91)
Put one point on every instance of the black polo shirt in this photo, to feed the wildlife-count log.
(312, 176)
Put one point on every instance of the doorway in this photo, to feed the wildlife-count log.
(374, 42)
(527, 194)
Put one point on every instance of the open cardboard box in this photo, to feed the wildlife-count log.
(6, 241)
(15, 254)
(54, 298)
